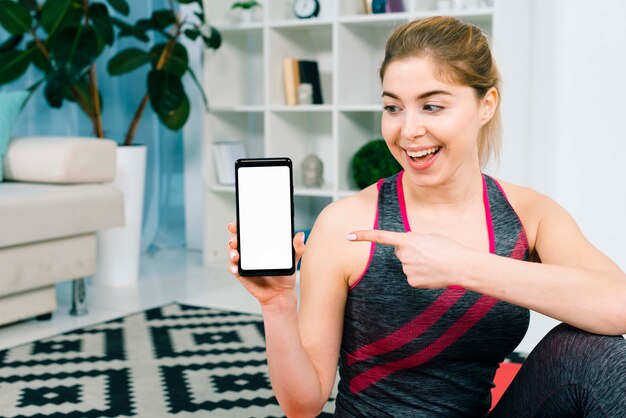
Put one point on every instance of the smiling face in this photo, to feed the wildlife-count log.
(431, 126)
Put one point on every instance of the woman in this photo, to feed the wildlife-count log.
(420, 285)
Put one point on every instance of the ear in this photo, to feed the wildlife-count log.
(488, 105)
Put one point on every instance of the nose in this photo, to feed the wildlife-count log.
(413, 127)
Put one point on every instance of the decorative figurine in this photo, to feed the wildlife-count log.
(312, 171)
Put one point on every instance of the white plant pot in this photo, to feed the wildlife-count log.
(245, 16)
(119, 248)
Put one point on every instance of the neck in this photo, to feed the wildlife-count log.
(456, 191)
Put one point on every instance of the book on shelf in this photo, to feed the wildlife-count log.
(309, 73)
(225, 153)
(383, 6)
(297, 72)
(291, 78)
(367, 6)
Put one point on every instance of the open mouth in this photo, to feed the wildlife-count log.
(423, 154)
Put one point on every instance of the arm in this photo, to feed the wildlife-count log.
(309, 343)
(575, 283)
(303, 348)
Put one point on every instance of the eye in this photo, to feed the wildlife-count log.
(431, 108)
(391, 109)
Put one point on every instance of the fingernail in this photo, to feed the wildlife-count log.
(232, 255)
(230, 241)
(233, 269)
(303, 236)
(351, 237)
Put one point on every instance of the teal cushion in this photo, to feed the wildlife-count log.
(10, 105)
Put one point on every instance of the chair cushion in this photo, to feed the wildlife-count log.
(32, 212)
(10, 105)
(42, 159)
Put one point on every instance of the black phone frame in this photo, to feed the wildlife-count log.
(265, 162)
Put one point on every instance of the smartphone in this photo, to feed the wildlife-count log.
(264, 195)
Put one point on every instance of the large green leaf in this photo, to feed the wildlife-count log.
(101, 21)
(15, 17)
(120, 6)
(161, 19)
(129, 30)
(54, 91)
(177, 118)
(81, 89)
(31, 4)
(166, 92)
(31, 89)
(73, 50)
(38, 57)
(11, 43)
(198, 2)
(127, 60)
(200, 16)
(214, 38)
(178, 61)
(59, 14)
(192, 34)
(13, 64)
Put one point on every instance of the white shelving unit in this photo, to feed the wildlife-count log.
(244, 84)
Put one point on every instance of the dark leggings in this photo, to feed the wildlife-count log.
(571, 373)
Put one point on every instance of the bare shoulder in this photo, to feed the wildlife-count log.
(547, 224)
(530, 205)
(352, 210)
(338, 219)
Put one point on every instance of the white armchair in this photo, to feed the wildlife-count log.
(52, 202)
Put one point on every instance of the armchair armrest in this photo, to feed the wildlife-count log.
(42, 159)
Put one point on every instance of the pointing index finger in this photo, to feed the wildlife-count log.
(378, 236)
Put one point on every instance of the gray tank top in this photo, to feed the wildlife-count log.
(410, 352)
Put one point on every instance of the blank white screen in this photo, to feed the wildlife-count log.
(265, 218)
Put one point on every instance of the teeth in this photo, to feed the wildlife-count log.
(422, 153)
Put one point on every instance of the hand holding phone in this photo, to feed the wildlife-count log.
(264, 197)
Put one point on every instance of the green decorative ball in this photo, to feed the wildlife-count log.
(372, 162)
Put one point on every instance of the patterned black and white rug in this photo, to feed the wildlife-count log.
(176, 360)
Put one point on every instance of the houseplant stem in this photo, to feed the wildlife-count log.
(135, 122)
(95, 98)
(163, 58)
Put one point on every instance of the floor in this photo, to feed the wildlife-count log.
(167, 276)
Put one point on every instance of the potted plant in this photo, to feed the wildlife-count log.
(372, 162)
(64, 39)
(245, 11)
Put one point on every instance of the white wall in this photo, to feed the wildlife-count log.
(575, 151)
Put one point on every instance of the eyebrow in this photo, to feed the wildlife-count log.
(421, 96)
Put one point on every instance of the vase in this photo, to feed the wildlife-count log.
(245, 16)
(119, 248)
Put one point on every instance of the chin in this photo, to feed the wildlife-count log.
(425, 179)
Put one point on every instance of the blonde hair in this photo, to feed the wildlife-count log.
(461, 51)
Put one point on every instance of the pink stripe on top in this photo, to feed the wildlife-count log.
(402, 202)
(456, 331)
(523, 236)
(492, 239)
(373, 246)
(410, 331)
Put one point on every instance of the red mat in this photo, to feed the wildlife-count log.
(503, 378)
